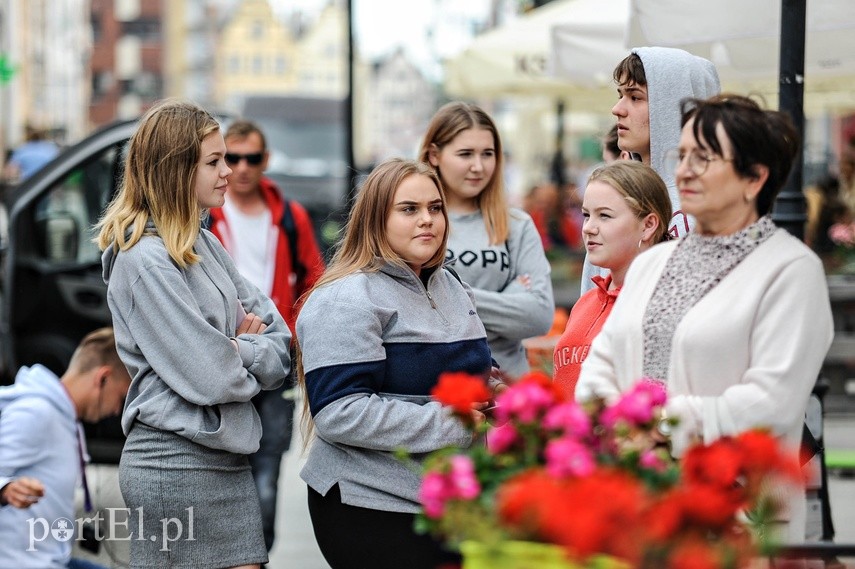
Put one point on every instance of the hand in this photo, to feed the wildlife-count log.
(252, 324)
(22, 492)
(498, 381)
(478, 417)
(525, 280)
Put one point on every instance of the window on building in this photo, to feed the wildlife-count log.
(234, 64)
(281, 64)
(126, 86)
(146, 29)
(97, 28)
(102, 82)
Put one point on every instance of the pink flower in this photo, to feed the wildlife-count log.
(523, 402)
(568, 457)
(433, 494)
(842, 234)
(501, 438)
(569, 418)
(637, 405)
(653, 461)
(462, 477)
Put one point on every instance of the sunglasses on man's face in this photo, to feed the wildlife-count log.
(251, 159)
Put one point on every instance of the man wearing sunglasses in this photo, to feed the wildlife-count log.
(272, 242)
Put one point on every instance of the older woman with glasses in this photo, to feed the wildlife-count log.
(735, 318)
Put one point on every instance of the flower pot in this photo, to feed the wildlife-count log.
(526, 555)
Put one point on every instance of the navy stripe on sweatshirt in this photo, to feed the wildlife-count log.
(409, 370)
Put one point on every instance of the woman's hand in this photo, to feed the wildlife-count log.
(478, 417)
(252, 324)
(498, 381)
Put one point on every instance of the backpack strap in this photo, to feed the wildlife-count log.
(286, 223)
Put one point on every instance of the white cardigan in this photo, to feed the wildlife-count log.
(746, 355)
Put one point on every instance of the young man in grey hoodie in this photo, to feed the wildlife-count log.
(651, 82)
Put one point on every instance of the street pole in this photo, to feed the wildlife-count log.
(348, 107)
(789, 210)
(557, 167)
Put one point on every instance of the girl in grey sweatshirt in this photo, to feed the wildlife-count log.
(375, 333)
(199, 341)
(495, 249)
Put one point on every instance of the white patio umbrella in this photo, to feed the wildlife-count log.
(741, 37)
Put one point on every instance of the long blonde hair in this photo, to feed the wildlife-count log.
(449, 121)
(158, 183)
(365, 246)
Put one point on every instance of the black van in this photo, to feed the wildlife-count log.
(52, 291)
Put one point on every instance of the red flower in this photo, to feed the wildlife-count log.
(718, 464)
(580, 514)
(694, 554)
(710, 506)
(460, 390)
(585, 519)
(762, 453)
(518, 499)
(665, 517)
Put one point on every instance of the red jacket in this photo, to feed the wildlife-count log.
(284, 293)
(585, 322)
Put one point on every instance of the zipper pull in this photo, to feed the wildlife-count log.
(430, 298)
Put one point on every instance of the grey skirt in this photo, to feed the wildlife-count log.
(189, 505)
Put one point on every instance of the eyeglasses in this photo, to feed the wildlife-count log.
(697, 161)
(251, 159)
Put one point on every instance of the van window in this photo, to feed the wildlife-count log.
(66, 214)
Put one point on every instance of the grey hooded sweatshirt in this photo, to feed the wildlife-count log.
(374, 345)
(672, 75)
(173, 331)
(510, 310)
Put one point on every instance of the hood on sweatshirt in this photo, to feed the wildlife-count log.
(38, 381)
(672, 75)
(108, 257)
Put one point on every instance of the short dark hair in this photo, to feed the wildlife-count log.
(610, 141)
(241, 128)
(630, 71)
(757, 136)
